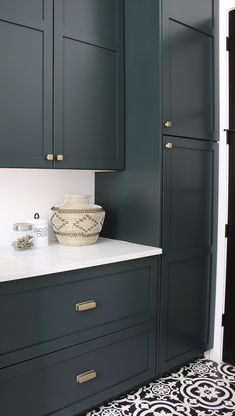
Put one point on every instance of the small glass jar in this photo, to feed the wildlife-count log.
(23, 233)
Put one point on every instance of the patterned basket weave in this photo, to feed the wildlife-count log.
(77, 227)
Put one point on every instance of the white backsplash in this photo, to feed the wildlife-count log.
(26, 191)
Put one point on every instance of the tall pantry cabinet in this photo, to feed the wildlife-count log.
(189, 180)
(167, 194)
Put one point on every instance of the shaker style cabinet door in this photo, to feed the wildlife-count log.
(62, 84)
(185, 308)
(188, 69)
(26, 82)
(88, 83)
(189, 201)
(188, 192)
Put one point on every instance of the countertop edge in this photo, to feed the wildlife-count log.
(57, 258)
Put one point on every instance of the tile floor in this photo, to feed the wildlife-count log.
(201, 388)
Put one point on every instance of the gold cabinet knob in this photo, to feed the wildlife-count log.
(168, 146)
(59, 157)
(49, 156)
(84, 306)
(84, 377)
(168, 124)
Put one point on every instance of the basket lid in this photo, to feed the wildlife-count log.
(77, 202)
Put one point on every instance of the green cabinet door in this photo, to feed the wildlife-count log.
(188, 69)
(88, 88)
(189, 234)
(185, 308)
(188, 192)
(62, 84)
(26, 83)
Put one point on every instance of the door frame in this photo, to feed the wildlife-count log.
(224, 9)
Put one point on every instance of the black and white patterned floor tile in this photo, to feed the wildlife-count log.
(201, 388)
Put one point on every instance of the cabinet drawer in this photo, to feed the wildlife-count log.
(48, 385)
(44, 309)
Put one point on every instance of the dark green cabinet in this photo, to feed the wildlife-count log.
(89, 83)
(188, 193)
(50, 384)
(188, 62)
(125, 295)
(26, 82)
(57, 357)
(185, 308)
(62, 84)
(189, 201)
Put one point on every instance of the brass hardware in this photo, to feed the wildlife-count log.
(168, 145)
(168, 124)
(59, 157)
(49, 156)
(84, 306)
(84, 377)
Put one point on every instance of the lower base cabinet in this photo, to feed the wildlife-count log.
(69, 381)
(185, 308)
(59, 360)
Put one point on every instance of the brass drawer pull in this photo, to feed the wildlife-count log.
(84, 306)
(49, 156)
(84, 377)
(168, 124)
(168, 145)
(59, 158)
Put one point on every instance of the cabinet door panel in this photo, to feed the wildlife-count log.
(188, 81)
(185, 307)
(24, 8)
(188, 274)
(189, 175)
(89, 90)
(89, 84)
(26, 90)
(198, 13)
(92, 18)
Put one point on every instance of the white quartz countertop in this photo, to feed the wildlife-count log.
(58, 258)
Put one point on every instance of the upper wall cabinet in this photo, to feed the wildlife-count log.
(62, 82)
(25, 82)
(89, 83)
(188, 62)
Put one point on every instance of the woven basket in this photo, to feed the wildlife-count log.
(77, 227)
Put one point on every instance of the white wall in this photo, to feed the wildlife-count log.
(26, 191)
